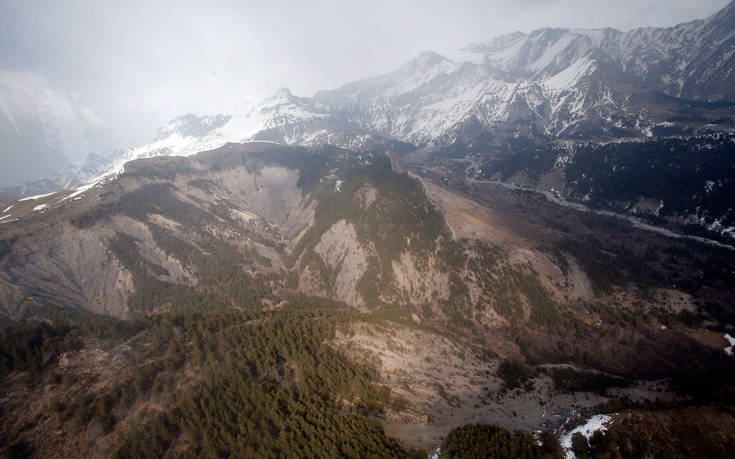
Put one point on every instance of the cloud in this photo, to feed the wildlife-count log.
(65, 124)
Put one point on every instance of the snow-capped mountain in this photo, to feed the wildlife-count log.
(672, 60)
(594, 85)
(281, 117)
(693, 60)
(562, 83)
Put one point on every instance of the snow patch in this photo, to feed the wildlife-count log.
(596, 423)
(79, 190)
(568, 78)
(40, 207)
(717, 224)
(551, 53)
(39, 196)
(731, 340)
(7, 210)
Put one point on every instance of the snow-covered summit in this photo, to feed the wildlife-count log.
(561, 82)
(692, 60)
(279, 117)
(191, 125)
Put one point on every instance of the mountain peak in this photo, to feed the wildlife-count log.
(279, 97)
(281, 93)
(191, 125)
(428, 59)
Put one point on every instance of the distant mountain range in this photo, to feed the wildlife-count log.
(554, 88)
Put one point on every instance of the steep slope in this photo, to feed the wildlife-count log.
(691, 60)
(65, 244)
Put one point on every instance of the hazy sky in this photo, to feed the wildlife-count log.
(113, 71)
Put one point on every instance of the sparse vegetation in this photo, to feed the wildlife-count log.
(512, 290)
(403, 219)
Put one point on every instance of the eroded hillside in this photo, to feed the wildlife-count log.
(443, 306)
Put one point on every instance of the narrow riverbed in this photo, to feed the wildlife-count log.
(636, 222)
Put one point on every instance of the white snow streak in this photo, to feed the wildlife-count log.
(37, 196)
(731, 340)
(596, 423)
(79, 190)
